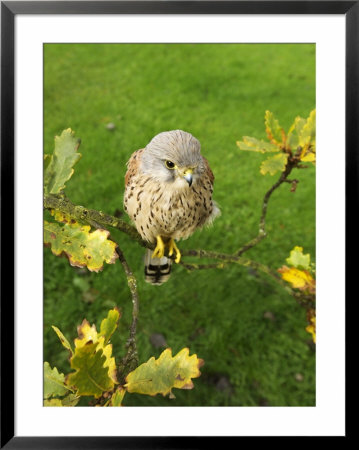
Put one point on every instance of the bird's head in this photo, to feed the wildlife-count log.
(174, 157)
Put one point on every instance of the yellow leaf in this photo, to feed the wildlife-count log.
(62, 338)
(311, 328)
(308, 154)
(92, 358)
(88, 334)
(301, 137)
(300, 279)
(110, 360)
(62, 217)
(274, 131)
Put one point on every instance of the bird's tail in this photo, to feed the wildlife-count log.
(157, 270)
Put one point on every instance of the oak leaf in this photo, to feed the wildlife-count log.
(68, 400)
(302, 137)
(255, 145)
(59, 165)
(299, 279)
(95, 367)
(274, 131)
(82, 247)
(63, 340)
(298, 260)
(167, 372)
(109, 324)
(91, 377)
(54, 382)
(274, 164)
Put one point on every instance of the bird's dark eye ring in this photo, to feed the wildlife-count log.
(169, 164)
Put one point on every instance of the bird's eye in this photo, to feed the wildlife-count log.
(169, 164)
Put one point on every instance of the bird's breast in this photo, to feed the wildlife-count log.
(158, 209)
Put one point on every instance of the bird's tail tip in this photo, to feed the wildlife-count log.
(157, 270)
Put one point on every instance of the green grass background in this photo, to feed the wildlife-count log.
(218, 93)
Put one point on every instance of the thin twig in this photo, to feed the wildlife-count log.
(262, 222)
(130, 361)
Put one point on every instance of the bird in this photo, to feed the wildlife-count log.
(168, 196)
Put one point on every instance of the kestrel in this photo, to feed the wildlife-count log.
(168, 195)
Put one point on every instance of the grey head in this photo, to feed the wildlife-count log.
(173, 157)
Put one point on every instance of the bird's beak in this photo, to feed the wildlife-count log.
(188, 176)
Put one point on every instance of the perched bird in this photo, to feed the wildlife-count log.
(168, 195)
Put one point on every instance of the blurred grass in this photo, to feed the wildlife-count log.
(250, 333)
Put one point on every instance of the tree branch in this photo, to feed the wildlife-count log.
(130, 361)
(262, 222)
(98, 217)
(91, 216)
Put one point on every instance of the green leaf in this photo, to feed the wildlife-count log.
(256, 145)
(54, 382)
(274, 131)
(167, 372)
(59, 168)
(68, 400)
(117, 397)
(62, 338)
(109, 325)
(298, 260)
(53, 402)
(95, 367)
(307, 134)
(302, 133)
(88, 334)
(294, 133)
(91, 376)
(82, 247)
(308, 139)
(274, 164)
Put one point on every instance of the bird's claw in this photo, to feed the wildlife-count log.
(159, 251)
(172, 247)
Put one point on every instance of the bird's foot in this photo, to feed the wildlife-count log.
(172, 247)
(159, 251)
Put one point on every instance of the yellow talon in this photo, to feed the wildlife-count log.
(159, 251)
(173, 247)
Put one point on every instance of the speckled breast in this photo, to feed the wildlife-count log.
(158, 210)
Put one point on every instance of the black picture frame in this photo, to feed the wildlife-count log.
(9, 9)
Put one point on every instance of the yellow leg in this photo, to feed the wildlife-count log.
(159, 251)
(173, 248)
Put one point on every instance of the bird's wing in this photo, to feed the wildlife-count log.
(133, 165)
(208, 170)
